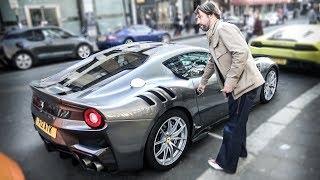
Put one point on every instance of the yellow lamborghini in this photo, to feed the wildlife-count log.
(294, 44)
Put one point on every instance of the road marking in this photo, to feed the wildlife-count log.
(215, 135)
(260, 137)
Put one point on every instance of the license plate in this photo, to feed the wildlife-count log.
(45, 127)
(280, 61)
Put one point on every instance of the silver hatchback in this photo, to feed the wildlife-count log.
(25, 47)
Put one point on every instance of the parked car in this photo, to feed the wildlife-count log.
(290, 45)
(271, 18)
(238, 21)
(132, 103)
(23, 48)
(131, 34)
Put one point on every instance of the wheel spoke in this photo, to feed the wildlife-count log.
(174, 128)
(175, 134)
(170, 148)
(160, 142)
(165, 153)
(162, 131)
(175, 146)
(169, 126)
(178, 138)
(163, 147)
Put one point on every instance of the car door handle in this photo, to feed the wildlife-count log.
(198, 93)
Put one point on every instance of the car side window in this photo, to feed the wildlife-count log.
(55, 33)
(142, 29)
(189, 65)
(34, 35)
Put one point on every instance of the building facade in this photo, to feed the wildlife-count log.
(75, 15)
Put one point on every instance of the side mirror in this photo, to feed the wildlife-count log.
(65, 36)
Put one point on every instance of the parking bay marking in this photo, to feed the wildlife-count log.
(260, 137)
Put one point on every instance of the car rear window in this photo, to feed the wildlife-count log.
(12, 36)
(102, 67)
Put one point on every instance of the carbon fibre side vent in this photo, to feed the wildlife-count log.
(147, 100)
(171, 94)
(163, 99)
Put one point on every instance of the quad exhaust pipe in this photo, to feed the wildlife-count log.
(86, 162)
(92, 164)
(98, 166)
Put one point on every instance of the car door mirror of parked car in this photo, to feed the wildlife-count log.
(65, 36)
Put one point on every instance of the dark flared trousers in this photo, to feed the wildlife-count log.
(234, 132)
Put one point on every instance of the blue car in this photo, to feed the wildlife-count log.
(131, 34)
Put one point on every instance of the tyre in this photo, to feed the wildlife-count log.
(166, 38)
(23, 61)
(84, 51)
(127, 41)
(168, 140)
(270, 86)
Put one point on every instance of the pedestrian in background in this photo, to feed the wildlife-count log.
(314, 14)
(177, 26)
(187, 22)
(257, 28)
(238, 77)
(194, 23)
(249, 26)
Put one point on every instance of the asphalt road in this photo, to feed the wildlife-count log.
(21, 142)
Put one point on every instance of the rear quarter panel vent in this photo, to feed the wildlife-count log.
(171, 94)
(147, 100)
(161, 97)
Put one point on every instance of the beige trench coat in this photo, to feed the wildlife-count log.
(232, 56)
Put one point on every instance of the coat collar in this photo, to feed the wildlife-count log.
(213, 40)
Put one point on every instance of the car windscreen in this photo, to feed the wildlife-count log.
(102, 67)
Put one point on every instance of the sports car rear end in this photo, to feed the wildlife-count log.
(291, 45)
(75, 114)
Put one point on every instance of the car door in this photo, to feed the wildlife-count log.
(212, 105)
(36, 43)
(60, 42)
(143, 33)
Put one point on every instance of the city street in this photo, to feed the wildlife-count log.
(283, 135)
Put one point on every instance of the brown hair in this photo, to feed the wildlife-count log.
(208, 8)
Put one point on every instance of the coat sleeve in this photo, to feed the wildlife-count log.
(239, 49)
(208, 71)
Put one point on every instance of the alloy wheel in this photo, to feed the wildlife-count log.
(270, 85)
(170, 141)
(84, 51)
(23, 61)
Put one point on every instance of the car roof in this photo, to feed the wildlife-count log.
(22, 30)
(158, 48)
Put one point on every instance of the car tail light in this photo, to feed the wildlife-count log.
(93, 118)
(111, 37)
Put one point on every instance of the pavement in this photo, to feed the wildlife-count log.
(285, 146)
